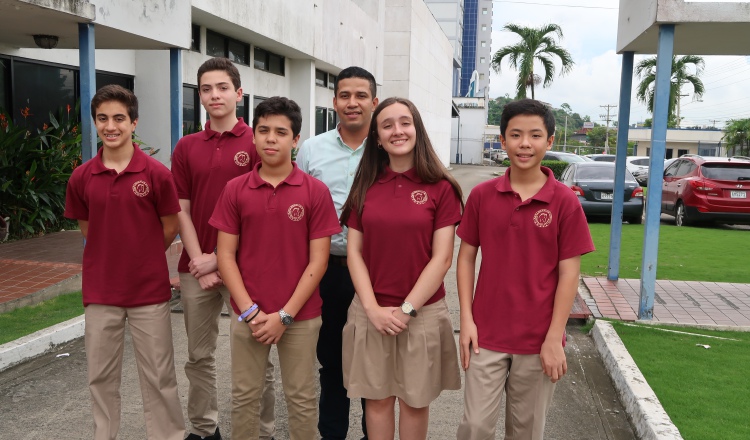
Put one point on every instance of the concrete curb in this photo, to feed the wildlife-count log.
(38, 343)
(647, 416)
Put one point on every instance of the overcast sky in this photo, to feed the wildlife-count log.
(590, 35)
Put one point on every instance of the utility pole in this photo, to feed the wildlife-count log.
(713, 122)
(608, 117)
(565, 140)
(679, 98)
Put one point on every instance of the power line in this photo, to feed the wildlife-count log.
(554, 5)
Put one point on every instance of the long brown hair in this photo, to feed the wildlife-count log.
(374, 160)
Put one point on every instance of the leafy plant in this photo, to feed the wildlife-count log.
(35, 165)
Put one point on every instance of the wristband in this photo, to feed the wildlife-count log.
(248, 320)
(247, 312)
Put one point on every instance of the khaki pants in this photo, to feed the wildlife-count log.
(202, 310)
(296, 350)
(528, 395)
(151, 330)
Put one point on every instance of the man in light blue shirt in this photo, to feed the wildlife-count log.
(333, 157)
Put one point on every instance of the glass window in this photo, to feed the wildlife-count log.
(41, 89)
(320, 120)
(320, 78)
(105, 79)
(726, 171)
(481, 60)
(331, 119)
(257, 100)
(484, 44)
(243, 108)
(190, 110)
(4, 84)
(261, 59)
(332, 81)
(195, 42)
(484, 27)
(215, 44)
(239, 52)
(484, 11)
(275, 64)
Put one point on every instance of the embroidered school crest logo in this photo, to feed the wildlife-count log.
(419, 197)
(140, 188)
(295, 212)
(242, 158)
(543, 218)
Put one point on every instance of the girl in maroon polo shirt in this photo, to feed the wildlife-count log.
(402, 210)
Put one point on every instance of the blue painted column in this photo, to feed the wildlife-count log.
(175, 94)
(623, 121)
(86, 57)
(656, 167)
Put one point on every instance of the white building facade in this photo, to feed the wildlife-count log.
(293, 49)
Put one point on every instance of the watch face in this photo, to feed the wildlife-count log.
(286, 320)
(408, 309)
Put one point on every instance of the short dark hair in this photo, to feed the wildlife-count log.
(223, 64)
(278, 105)
(357, 72)
(117, 93)
(530, 107)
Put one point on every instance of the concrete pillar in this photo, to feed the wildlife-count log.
(623, 121)
(86, 46)
(302, 91)
(656, 165)
(175, 94)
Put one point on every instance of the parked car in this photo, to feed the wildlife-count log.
(602, 157)
(635, 163)
(564, 157)
(642, 175)
(594, 184)
(707, 189)
(496, 155)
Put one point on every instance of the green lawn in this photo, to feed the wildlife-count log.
(685, 254)
(26, 320)
(706, 392)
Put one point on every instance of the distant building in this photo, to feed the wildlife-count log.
(679, 142)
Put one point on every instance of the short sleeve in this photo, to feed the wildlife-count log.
(574, 237)
(354, 221)
(76, 207)
(468, 229)
(166, 199)
(181, 170)
(226, 216)
(448, 209)
(323, 220)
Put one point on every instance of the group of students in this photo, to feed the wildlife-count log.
(339, 255)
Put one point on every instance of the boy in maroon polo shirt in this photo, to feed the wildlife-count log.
(202, 164)
(126, 205)
(275, 226)
(532, 232)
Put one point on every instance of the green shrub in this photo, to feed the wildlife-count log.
(557, 166)
(34, 169)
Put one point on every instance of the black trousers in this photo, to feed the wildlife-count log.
(337, 292)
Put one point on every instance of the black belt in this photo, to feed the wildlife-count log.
(337, 260)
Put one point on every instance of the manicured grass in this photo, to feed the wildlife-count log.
(685, 254)
(704, 391)
(26, 320)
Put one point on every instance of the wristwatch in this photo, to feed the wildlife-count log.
(408, 309)
(286, 318)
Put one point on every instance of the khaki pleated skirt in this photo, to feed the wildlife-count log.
(415, 366)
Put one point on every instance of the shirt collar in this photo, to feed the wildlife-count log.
(341, 142)
(388, 174)
(544, 195)
(239, 128)
(137, 162)
(294, 178)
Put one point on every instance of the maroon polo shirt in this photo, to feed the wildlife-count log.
(202, 164)
(124, 264)
(275, 226)
(398, 220)
(522, 244)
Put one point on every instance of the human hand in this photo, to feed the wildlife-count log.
(401, 316)
(203, 265)
(467, 341)
(553, 360)
(210, 280)
(270, 330)
(385, 320)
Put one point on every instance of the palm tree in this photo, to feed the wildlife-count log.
(535, 45)
(737, 134)
(681, 75)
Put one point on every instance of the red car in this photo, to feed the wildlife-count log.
(700, 189)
